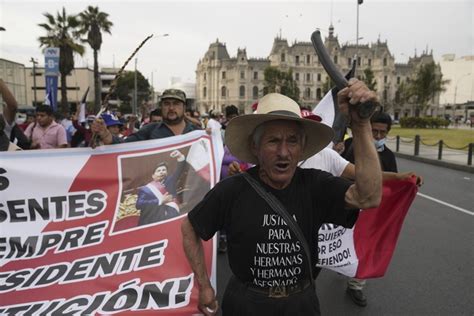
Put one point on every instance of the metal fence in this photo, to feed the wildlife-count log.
(417, 142)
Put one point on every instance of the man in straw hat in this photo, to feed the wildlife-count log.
(271, 274)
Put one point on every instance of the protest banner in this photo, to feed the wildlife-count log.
(71, 239)
(365, 251)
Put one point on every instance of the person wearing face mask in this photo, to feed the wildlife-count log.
(381, 123)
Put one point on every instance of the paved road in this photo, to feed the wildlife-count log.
(432, 270)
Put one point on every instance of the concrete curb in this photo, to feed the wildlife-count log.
(441, 163)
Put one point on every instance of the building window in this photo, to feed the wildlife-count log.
(297, 76)
(385, 79)
(319, 77)
(308, 59)
(308, 77)
(265, 90)
(282, 57)
(242, 91)
(358, 61)
(223, 75)
(255, 75)
(335, 59)
(255, 92)
(307, 93)
(349, 62)
(205, 76)
(242, 75)
(369, 62)
(398, 80)
(204, 92)
(318, 94)
(297, 60)
(397, 96)
(385, 61)
(385, 95)
(223, 92)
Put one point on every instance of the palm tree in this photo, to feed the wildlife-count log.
(61, 31)
(93, 22)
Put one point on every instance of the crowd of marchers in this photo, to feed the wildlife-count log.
(287, 150)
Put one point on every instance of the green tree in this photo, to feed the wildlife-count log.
(281, 82)
(93, 23)
(369, 79)
(428, 82)
(126, 85)
(62, 32)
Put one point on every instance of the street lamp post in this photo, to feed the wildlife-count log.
(359, 2)
(34, 80)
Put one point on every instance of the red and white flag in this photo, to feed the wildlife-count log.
(366, 250)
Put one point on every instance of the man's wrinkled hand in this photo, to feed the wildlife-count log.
(348, 98)
(208, 304)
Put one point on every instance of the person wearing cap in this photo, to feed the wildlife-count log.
(269, 265)
(172, 104)
(113, 124)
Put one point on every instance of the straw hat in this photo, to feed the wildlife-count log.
(274, 106)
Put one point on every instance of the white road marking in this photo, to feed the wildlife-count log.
(457, 208)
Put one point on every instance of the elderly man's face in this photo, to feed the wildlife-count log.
(278, 152)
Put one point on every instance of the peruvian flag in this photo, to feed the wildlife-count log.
(366, 250)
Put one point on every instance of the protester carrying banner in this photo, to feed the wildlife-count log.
(113, 124)
(172, 104)
(268, 259)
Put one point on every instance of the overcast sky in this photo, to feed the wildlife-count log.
(444, 26)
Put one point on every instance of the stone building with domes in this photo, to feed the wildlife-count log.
(222, 80)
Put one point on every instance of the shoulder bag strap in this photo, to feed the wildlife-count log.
(276, 205)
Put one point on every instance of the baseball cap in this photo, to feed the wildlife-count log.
(111, 120)
(174, 94)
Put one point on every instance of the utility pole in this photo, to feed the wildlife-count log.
(34, 80)
(356, 56)
(135, 94)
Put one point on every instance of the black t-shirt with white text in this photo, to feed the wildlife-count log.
(262, 249)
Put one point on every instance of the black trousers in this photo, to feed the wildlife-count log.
(240, 301)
